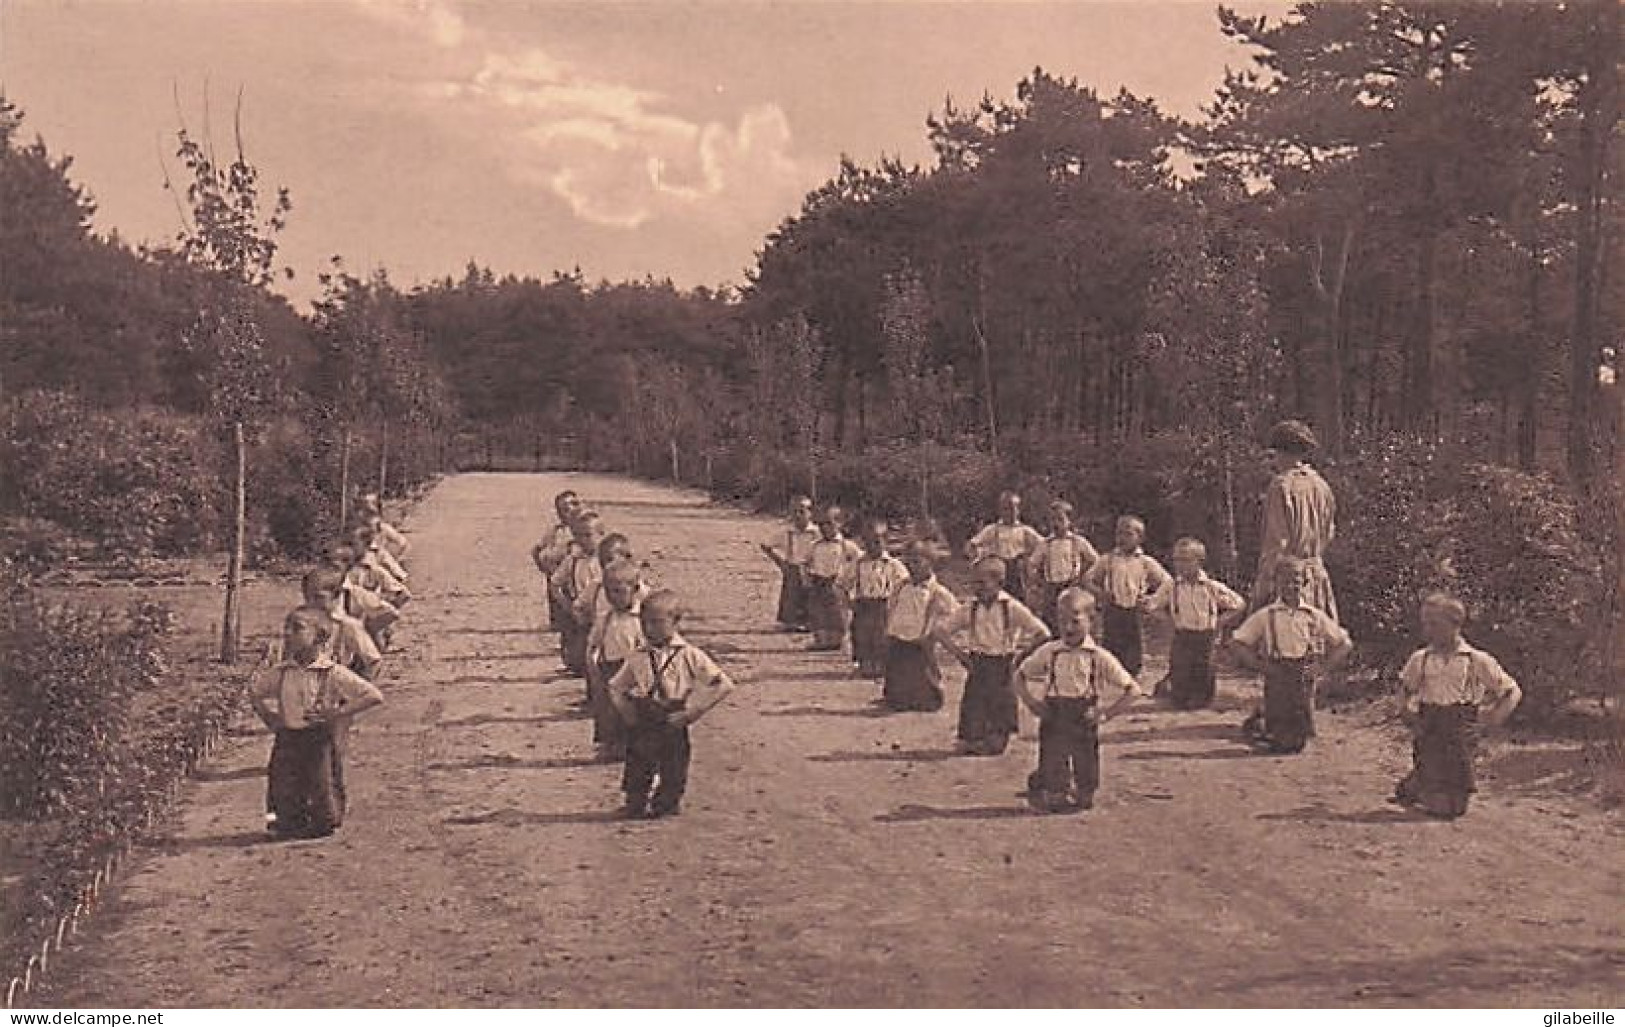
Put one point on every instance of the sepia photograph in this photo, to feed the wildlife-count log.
(821, 505)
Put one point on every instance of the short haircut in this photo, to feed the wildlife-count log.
(1194, 548)
(585, 520)
(623, 570)
(873, 526)
(322, 581)
(798, 502)
(1061, 506)
(558, 500)
(923, 549)
(667, 600)
(1131, 521)
(1008, 494)
(833, 514)
(1288, 565)
(992, 561)
(607, 545)
(341, 552)
(1075, 598)
(1448, 604)
(314, 619)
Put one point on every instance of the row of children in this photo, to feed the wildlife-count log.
(898, 614)
(321, 674)
(645, 683)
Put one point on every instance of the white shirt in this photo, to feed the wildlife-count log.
(671, 672)
(1196, 605)
(797, 543)
(1057, 670)
(878, 577)
(1005, 541)
(1464, 675)
(916, 609)
(1002, 627)
(615, 634)
(830, 557)
(1062, 560)
(299, 693)
(576, 576)
(1291, 632)
(1127, 578)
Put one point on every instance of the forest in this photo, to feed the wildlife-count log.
(1396, 222)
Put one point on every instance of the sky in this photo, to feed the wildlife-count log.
(628, 139)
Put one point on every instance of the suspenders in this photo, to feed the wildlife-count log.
(1055, 658)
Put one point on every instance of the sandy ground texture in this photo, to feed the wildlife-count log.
(827, 855)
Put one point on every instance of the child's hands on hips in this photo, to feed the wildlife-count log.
(679, 718)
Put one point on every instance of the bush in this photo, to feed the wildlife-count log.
(1416, 518)
(67, 679)
(136, 484)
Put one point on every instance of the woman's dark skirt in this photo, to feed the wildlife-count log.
(869, 636)
(304, 795)
(1289, 704)
(793, 597)
(826, 612)
(1191, 679)
(1120, 634)
(1442, 748)
(987, 712)
(912, 680)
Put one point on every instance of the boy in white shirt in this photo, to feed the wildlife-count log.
(1293, 644)
(798, 539)
(663, 687)
(995, 627)
(1059, 562)
(874, 578)
(304, 698)
(1447, 686)
(1009, 539)
(829, 566)
(1064, 682)
(1200, 607)
(1122, 580)
(912, 680)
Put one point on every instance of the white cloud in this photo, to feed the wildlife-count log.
(436, 20)
(616, 153)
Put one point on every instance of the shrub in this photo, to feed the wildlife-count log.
(67, 679)
(136, 483)
(1415, 518)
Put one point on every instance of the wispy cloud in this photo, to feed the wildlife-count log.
(436, 20)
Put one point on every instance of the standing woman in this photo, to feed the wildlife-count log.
(1300, 518)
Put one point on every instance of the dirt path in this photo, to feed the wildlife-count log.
(826, 856)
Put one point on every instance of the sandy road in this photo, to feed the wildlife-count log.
(826, 856)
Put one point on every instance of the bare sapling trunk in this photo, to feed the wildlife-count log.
(231, 623)
(344, 480)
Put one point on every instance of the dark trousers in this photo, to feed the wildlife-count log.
(1191, 680)
(607, 726)
(657, 756)
(1068, 751)
(1120, 634)
(826, 612)
(869, 636)
(573, 641)
(1289, 704)
(300, 782)
(1442, 750)
(912, 680)
(987, 713)
(792, 611)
